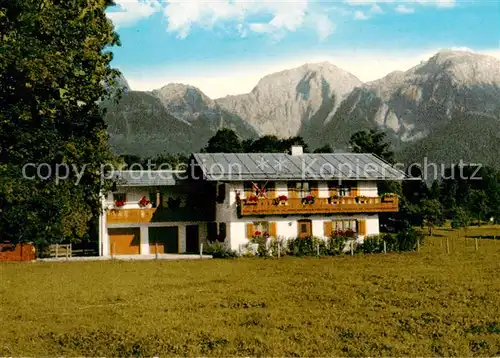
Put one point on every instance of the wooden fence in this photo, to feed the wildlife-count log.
(59, 250)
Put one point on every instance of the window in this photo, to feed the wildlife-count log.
(152, 198)
(212, 231)
(221, 193)
(303, 227)
(261, 226)
(119, 197)
(303, 189)
(258, 188)
(222, 232)
(341, 188)
(344, 225)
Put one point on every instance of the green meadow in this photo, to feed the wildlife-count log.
(427, 303)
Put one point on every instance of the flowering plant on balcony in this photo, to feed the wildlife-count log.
(252, 199)
(264, 234)
(344, 233)
(308, 200)
(389, 197)
(281, 200)
(143, 203)
(119, 203)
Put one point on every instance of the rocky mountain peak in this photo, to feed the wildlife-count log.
(184, 101)
(462, 67)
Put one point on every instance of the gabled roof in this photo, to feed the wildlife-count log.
(278, 166)
(145, 177)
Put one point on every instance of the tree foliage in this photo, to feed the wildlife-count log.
(54, 63)
(224, 141)
(432, 213)
(372, 141)
(227, 141)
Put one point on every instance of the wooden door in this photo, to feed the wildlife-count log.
(125, 241)
(304, 228)
(192, 239)
(166, 239)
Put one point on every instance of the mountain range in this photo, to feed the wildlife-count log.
(445, 109)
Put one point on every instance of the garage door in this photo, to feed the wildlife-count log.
(125, 241)
(167, 239)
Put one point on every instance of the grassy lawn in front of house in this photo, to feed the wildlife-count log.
(418, 304)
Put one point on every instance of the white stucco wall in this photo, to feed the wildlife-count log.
(367, 188)
(286, 227)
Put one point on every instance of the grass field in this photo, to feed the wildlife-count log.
(419, 304)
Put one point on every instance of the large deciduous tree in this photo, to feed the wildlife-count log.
(54, 69)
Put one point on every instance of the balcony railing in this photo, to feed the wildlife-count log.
(319, 206)
(147, 215)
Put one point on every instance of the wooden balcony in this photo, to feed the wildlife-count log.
(147, 215)
(320, 206)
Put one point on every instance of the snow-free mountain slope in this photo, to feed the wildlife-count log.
(282, 102)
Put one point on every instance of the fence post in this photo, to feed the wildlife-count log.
(476, 243)
(114, 249)
(317, 248)
(67, 252)
(352, 248)
(156, 250)
(447, 245)
(201, 250)
(57, 251)
(418, 245)
(385, 247)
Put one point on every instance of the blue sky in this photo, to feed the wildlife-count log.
(225, 46)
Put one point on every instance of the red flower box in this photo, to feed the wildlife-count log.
(283, 198)
(119, 203)
(257, 233)
(144, 202)
(253, 198)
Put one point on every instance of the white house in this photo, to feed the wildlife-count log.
(232, 197)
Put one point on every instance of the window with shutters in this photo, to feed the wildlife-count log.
(259, 188)
(221, 193)
(342, 188)
(261, 227)
(222, 232)
(153, 199)
(212, 231)
(120, 197)
(303, 189)
(343, 225)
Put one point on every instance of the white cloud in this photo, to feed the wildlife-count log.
(375, 9)
(402, 9)
(128, 12)
(184, 15)
(360, 15)
(226, 79)
(324, 26)
(402, 5)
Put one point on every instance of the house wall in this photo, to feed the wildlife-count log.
(367, 188)
(144, 230)
(134, 195)
(286, 227)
